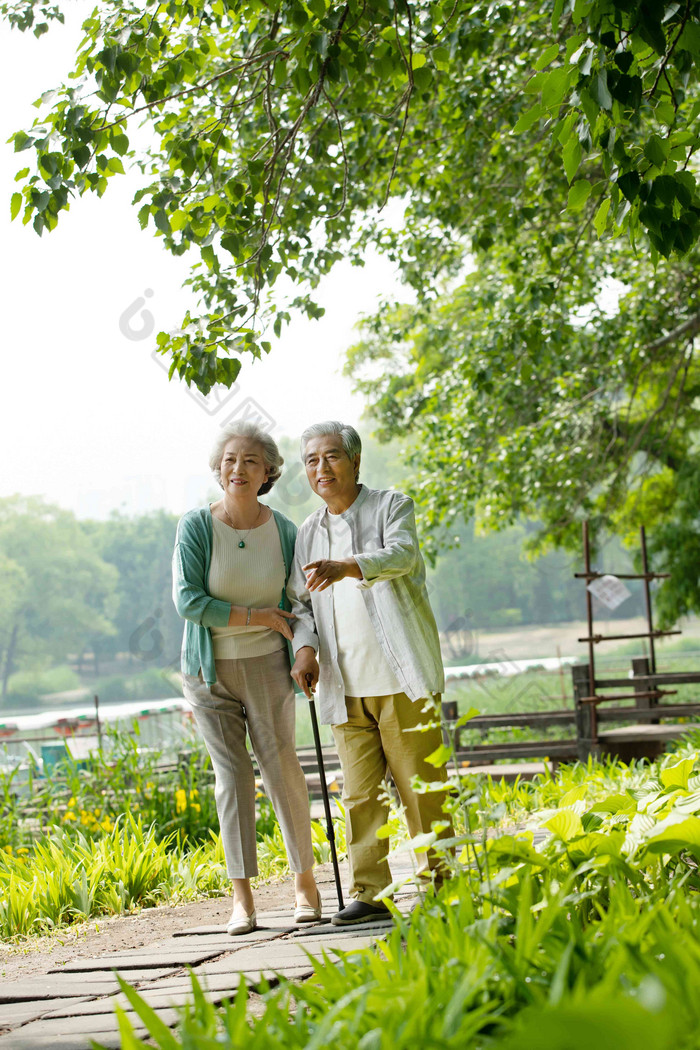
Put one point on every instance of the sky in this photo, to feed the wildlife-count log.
(88, 418)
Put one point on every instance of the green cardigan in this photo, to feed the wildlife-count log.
(191, 561)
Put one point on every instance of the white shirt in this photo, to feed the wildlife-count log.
(362, 663)
(250, 576)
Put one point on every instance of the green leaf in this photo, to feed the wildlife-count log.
(161, 220)
(529, 117)
(22, 141)
(156, 1027)
(565, 824)
(227, 369)
(547, 56)
(15, 205)
(575, 794)
(656, 150)
(473, 712)
(677, 776)
(674, 834)
(629, 184)
(601, 216)
(120, 143)
(571, 156)
(555, 86)
(231, 243)
(81, 156)
(598, 90)
(690, 39)
(578, 194)
(439, 756)
(617, 803)
(21, 174)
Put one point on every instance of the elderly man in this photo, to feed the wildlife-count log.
(365, 632)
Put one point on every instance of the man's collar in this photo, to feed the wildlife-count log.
(354, 506)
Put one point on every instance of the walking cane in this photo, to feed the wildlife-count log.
(326, 801)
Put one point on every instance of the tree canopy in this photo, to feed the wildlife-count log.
(543, 160)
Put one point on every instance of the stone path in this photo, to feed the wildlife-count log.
(75, 1004)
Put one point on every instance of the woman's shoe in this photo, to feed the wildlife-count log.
(305, 913)
(246, 924)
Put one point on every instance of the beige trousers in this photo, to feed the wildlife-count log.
(254, 695)
(375, 740)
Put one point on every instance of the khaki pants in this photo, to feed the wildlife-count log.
(254, 696)
(373, 740)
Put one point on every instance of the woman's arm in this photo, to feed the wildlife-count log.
(193, 601)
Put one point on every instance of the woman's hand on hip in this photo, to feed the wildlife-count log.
(275, 618)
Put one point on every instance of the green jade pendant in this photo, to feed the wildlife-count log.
(241, 544)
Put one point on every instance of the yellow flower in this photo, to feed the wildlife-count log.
(22, 849)
(180, 800)
(68, 815)
(107, 824)
(194, 793)
(7, 849)
(71, 803)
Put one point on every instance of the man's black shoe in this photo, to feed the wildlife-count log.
(359, 911)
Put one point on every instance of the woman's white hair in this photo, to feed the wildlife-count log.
(271, 454)
(348, 435)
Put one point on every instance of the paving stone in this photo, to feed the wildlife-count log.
(265, 930)
(21, 1040)
(137, 961)
(18, 1013)
(57, 987)
(91, 1025)
(96, 1007)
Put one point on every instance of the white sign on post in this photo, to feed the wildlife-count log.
(609, 590)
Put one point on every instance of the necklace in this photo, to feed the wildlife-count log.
(241, 542)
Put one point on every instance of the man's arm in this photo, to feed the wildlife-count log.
(400, 552)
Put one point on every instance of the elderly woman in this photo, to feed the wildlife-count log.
(230, 568)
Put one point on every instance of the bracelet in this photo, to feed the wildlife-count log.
(247, 622)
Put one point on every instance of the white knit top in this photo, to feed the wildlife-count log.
(251, 576)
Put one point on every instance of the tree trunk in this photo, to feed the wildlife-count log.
(9, 658)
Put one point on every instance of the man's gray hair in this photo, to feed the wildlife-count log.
(271, 454)
(348, 435)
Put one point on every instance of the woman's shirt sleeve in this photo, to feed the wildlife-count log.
(191, 598)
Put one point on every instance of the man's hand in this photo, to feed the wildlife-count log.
(305, 670)
(323, 574)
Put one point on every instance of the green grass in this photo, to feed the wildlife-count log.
(588, 938)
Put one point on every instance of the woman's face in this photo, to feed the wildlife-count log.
(243, 469)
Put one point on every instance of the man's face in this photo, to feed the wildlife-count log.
(330, 470)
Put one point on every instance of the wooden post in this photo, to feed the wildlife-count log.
(449, 714)
(586, 733)
(642, 666)
(97, 719)
(647, 598)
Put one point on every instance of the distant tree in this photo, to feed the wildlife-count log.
(140, 549)
(55, 590)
